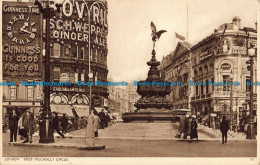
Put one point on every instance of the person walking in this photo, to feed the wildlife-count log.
(224, 127)
(27, 123)
(188, 126)
(55, 122)
(102, 117)
(194, 126)
(96, 123)
(64, 123)
(107, 119)
(13, 124)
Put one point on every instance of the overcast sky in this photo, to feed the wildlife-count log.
(129, 37)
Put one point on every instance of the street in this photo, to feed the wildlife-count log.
(137, 148)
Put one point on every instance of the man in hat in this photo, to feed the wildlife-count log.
(13, 124)
(27, 122)
(224, 127)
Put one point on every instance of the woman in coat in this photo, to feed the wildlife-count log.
(96, 123)
(194, 133)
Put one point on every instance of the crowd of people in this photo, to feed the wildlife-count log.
(188, 127)
(25, 124)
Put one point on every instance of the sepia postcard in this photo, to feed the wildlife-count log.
(129, 82)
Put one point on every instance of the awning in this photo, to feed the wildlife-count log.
(61, 109)
(98, 109)
(81, 110)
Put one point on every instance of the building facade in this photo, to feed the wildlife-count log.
(220, 57)
(133, 96)
(78, 38)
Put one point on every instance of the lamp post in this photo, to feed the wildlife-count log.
(46, 131)
(231, 104)
(89, 134)
(250, 130)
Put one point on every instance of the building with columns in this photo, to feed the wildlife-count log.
(220, 57)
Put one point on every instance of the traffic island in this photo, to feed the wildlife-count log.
(58, 145)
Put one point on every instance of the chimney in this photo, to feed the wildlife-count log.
(256, 26)
(236, 21)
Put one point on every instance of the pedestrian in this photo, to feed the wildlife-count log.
(188, 126)
(27, 124)
(13, 124)
(96, 123)
(107, 119)
(55, 122)
(64, 123)
(182, 126)
(224, 127)
(76, 117)
(22, 132)
(102, 118)
(194, 126)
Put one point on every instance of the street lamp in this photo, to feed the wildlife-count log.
(231, 102)
(250, 130)
(89, 134)
(46, 131)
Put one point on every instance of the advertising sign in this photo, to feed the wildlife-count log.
(22, 43)
(82, 24)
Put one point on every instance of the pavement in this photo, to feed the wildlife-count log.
(131, 148)
(76, 139)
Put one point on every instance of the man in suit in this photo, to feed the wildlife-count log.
(27, 122)
(224, 127)
(102, 117)
(56, 126)
(13, 124)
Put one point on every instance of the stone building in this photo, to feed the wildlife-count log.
(77, 39)
(220, 57)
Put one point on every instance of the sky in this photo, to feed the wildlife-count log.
(129, 36)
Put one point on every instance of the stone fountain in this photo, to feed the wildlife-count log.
(154, 104)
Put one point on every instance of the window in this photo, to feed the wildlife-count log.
(75, 52)
(82, 76)
(206, 69)
(56, 74)
(201, 89)
(195, 61)
(201, 71)
(30, 92)
(195, 73)
(76, 75)
(56, 47)
(82, 52)
(197, 90)
(13, 92)
(211, 65)
(248, 86)
(212, 84)
(67, 51)
(185, 76)
(225, 80)
(207, 87)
